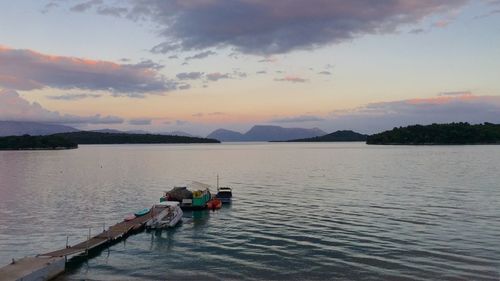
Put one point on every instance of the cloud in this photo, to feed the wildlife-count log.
(73, 97)
(173, 57)
(201, 55)
(201, 114)
(14, 108)
(458, 93)
(217, 76)
(261, 72)
(240, 74)
(452, 107)
(84, 6)
(147, 64)
(298, 119)
(325, 72)
(488, 14)
(112, 11)
(268, 59)
(189, 75)
(279, 26)
(49, 6)
(28, 70)
(140, 121)
(417, 31)
(292, 79)
(442, 23)
(184, 87)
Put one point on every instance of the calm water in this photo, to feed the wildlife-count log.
(301, 211)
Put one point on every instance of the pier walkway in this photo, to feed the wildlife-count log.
(36, 268)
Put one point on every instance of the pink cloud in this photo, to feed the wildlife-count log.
(443, 99)
(28, 70)
(14, 108)
(292, 78)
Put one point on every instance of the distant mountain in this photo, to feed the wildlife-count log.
(276, 133)
(140, 132)
(143, 132)
(178, 133)
(338, 136)
(18, 128)
(226, 135)
(88, 137)
(111, 131)
(266, 133)
(114, 131)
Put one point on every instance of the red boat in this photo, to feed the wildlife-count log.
(214, 204)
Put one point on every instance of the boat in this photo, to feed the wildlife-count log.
(195, 199)
(169, 215)
(214, 204)
(142, 212)
(224, 193)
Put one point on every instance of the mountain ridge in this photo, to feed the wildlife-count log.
(337, 136)
(266, 133)
(19, 128)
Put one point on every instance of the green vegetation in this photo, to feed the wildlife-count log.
(441, 134)
(85, 137)
(338, 136)
(28, 142)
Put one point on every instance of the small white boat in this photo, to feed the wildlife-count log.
(169, 215)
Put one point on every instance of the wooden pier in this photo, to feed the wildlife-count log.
(35, 268)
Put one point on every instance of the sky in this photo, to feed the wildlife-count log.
(199, 65)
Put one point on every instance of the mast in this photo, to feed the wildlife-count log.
(217, 182)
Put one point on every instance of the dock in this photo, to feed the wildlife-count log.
(49, 265)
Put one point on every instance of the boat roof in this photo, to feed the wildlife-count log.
(225, 188)
(198, 186)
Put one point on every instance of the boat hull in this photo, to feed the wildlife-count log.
(214, 204)
(169, 217)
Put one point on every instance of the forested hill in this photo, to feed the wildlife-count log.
(28, 142)
(86, 137)
(441, 134)
(338, 136)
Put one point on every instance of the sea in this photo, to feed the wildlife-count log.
(300, 211)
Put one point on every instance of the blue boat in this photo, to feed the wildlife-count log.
(224, 193)
(142, 212)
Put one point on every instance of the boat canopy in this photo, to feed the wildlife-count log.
(198, 186)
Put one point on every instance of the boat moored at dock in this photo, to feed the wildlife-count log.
(169, 215)
(214, 204)
(224, 193)
(195, 199)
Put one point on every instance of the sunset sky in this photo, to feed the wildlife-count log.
(199, 65)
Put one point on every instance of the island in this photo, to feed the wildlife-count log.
(88, 137)
(439, 134)
(338, 136)
(27, 142)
